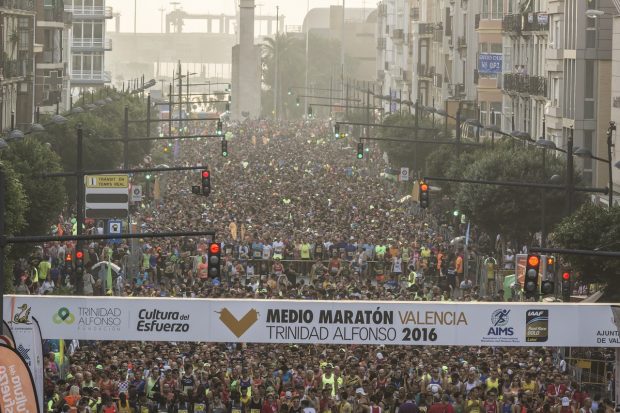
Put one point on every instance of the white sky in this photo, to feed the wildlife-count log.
(149, 15)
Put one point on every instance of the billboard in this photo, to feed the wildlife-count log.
(490, 63)
(322, 322)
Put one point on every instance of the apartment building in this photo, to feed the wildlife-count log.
(393, 52)
(89, 43)
(51, 62)
(16, 68)
(444, 54)
(488, 25)
(525, 29)
(578, 65)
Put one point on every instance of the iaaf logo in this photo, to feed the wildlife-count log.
(499, 320)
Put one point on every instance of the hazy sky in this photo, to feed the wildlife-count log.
(149, 15)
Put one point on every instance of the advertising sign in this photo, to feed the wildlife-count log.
(17, 393)
(490, 63)
(324, 322)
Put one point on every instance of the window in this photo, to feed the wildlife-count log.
(483, 113)
(591, 32)
(587, 161)
(498, 9)
(588, 107)
(496, 113)
(496, 47)
(555, 91)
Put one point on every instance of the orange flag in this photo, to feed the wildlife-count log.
(18, 394)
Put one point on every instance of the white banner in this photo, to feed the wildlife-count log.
(28, 343)
(327, 322)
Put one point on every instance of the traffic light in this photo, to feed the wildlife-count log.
(79, 262)
(297, 103)
(309, 111)
(566, 286)
(290, 92)
(224, 147)
(215, 253)
(547, 286)
(424, 195)
(206, 182)
(530, 284)
(337, 130)
(69, 259)
(227, 107)
(219, 127)
(360, 150)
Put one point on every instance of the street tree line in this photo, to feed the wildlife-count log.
(33, 202)
(514, 213)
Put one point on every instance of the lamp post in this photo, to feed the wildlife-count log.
(587, 153)
(544, 144)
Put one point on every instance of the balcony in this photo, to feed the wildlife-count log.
(50, 56)
(89, 76)
(535, 22)
(512, 23)
(15, 68)
(398, 35)
(525, 84)
(85, 44)
(426, 29)
(538, 86)
(381, 43)
(415, 14)
(17, 4)
(90, 12)
(462, 42)
(426, 72)
(53, 14)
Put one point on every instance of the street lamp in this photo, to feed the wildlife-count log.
(587, 153)
(593, 14)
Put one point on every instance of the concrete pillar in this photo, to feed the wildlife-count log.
(269, 27)
(227, 25)
(246, 82)
(209, 25)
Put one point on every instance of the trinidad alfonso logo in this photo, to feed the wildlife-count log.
(63, 315)
(238, 327)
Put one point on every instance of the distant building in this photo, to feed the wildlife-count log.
(359, 36)
(89, 43)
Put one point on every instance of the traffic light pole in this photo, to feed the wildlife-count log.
(515, 184)
(380, 125)
(569, 251)
(79, 216)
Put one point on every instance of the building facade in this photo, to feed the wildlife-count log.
(89, 43)
(52, 60)
(394, 53)
(17, 68)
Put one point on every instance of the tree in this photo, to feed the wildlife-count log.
(405, 154)
(104, 122)
(511, 211)
(14, 215)
(46, 197)
(592, 227)
(323, 71)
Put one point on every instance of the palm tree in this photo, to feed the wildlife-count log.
(289, 51)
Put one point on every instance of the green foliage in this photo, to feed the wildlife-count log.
(511, 211)
(592, 227)
(323, 71)
(16, 201)
(103, 122)
(405, 154)
(46, 197)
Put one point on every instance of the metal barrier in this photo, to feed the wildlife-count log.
(592, 374)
